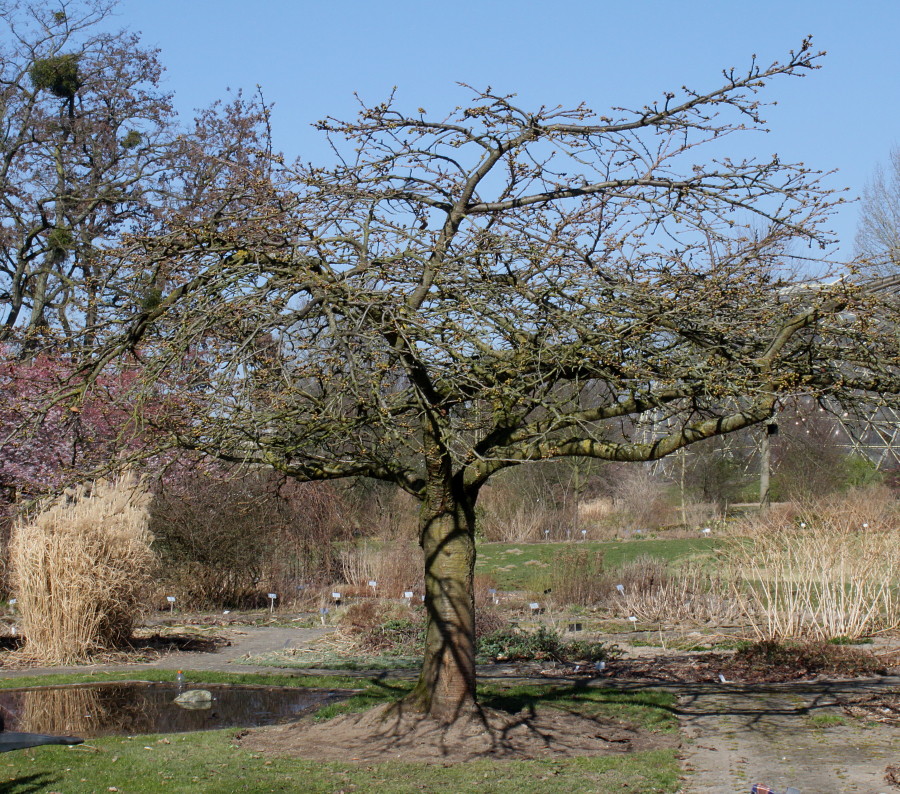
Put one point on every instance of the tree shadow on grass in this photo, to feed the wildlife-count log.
(572, 696)
(27, 784)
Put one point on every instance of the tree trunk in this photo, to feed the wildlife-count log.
(446, 686)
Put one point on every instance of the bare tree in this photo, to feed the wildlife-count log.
(878, 235)
(85, 142)
(500, 286)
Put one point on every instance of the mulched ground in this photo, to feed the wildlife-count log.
(753, 666)
(881, 707)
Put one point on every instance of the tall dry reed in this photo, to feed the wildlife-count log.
(81, 568)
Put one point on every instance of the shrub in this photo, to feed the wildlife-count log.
(510, 644)
(803, 659)
(390, 629)
(510, 511)
(832, 573)
(654, 593)
(225, 540)
(395, 565)
(488, 620)
(81, 570)
(641, 500)
(576, 576)
(398, 630)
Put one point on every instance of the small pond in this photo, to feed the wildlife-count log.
(128, 708)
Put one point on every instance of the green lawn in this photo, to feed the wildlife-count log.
(190, 676)
(210, 761)
(525, 566)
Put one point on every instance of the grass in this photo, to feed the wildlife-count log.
(190, 676)
(210, 762)
(330, 660)
(529, 571)
(841, 640)
(827, 720)
(649, 709)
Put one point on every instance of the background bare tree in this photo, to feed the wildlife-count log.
(878, 235)
(90, 150)
(500, 286)
(86, 141)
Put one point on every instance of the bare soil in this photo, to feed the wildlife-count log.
(392, 733)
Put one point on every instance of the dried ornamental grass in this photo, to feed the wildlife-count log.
(831, 573)
(690, 595)
(81, 568)
(576, 576)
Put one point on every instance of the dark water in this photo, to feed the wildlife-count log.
(117, 709)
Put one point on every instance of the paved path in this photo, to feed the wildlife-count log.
(245, 640)
(740, 735)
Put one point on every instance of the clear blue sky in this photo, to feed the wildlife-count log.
(310, 57)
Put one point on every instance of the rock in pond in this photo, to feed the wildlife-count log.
(195, 699)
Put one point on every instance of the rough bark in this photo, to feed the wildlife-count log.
(446, 686)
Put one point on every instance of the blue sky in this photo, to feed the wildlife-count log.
(310, 58)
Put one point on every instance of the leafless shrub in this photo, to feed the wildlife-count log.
(599, 517)
(376, 509)
(489, 620)
(376, 627)
(227, 538)
(535, 502)
(510, 518)
(653, 593)
(396, 566)
(778, 514)
(640, 501)
(484, 598)
(830, 573)
(576, 576)
(695, 515)
(81, 569)
(597, 510)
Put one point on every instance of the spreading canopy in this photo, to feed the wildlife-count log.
(499, 286)
(525, 281)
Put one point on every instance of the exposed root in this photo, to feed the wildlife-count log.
(398, 731)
